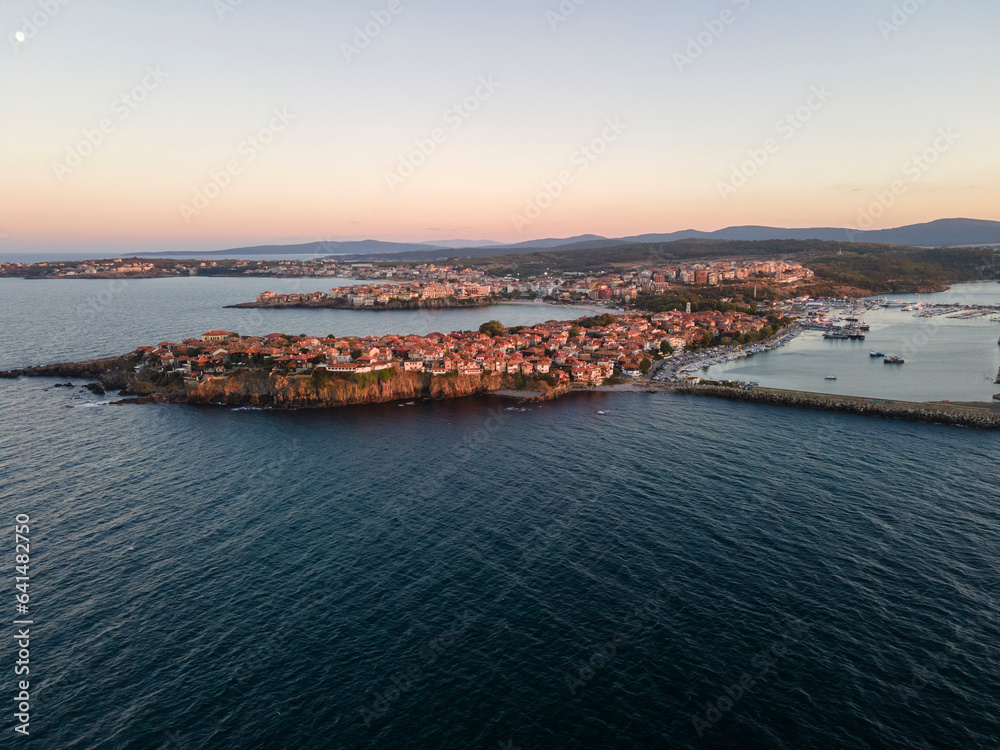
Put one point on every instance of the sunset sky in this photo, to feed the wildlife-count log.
(233, 123)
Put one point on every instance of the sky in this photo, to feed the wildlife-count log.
(198, 125)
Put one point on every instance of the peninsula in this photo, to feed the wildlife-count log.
(539, 362)
(279, 370)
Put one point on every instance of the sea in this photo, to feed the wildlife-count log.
(609, 570)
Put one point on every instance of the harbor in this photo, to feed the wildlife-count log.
(687, 366)
(949, 356)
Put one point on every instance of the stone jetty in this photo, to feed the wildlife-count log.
(982, 415)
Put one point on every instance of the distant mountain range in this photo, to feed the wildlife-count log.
(940, 233)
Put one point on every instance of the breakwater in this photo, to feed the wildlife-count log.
(984, 416)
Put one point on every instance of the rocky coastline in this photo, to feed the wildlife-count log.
(269, 389)
(343, 304)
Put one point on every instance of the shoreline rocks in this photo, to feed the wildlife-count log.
(273, 390)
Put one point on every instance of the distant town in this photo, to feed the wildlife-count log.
(462, 281)
(440, 284)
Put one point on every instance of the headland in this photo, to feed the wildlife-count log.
(541, 362)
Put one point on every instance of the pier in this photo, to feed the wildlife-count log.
(981, 415)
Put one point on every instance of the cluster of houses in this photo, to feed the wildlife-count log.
(626, 286)
(568, 351)
(438, 282)
(69, 269)
(373, 295)
(118, 268)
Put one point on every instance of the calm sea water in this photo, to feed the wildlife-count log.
(946, 359)
(456, 575)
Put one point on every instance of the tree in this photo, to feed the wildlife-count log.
(666, 349)
(606, 319)
(645, 365)
(493, 328)
(574, 331)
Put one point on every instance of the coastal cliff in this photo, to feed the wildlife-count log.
(320, 389)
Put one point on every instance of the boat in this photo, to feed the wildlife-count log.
(892, 359)
(600, 413)
(865, 327)
(830, 377)
(874, 353)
